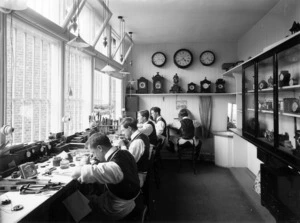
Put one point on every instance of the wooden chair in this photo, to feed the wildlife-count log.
(189, 151)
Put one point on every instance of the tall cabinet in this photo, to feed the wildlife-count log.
(268, 101)
(271, 121)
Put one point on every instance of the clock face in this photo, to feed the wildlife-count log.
(192, 87)
(159, 59)
(158, 85)
(142, 84)
(295, 106)
(207, 58)
(220, 86)
(205, 86)
(183, 58)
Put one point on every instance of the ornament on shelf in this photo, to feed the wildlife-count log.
(175, 88)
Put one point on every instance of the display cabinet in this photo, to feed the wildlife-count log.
(270, 97)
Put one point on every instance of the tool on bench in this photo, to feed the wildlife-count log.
(35, 188)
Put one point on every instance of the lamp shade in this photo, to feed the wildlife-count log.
(14, 4)
(108, 69)
(78, 42)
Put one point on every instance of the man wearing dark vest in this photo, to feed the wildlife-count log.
(160, 123)
(118, 171)
(146, 126)
(139, 146)
(186, 127)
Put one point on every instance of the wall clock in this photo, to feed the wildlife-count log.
(183, 58)
(142, 86)
(159, 59)
(158, 83)
(207, 58)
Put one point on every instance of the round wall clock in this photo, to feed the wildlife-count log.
(183, 58)
(207, 58)
(159, 59)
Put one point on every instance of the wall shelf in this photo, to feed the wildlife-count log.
(184, 94)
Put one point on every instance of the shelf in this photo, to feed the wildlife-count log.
(285, 88)
(236, 69)
(184, 94)
(280, 113)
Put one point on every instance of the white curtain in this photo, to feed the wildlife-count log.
(205, 110)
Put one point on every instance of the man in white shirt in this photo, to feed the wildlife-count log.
(139, 146)
(146, 126)
(186, 126)
(160, 123)
(118, 171)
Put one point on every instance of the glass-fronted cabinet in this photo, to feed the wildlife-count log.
(271, 101)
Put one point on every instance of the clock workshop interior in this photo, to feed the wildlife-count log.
(149, 111)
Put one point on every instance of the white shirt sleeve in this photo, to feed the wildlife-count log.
(146, 129)
(196, 123)
(176, 124)
(108, 172)
(160, 126)
(137, 148)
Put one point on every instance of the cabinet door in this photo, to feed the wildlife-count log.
(249, 122)
(288, 74)
(265, 70)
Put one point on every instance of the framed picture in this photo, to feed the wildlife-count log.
(181, 104)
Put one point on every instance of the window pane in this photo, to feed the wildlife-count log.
(107, 95)
(33, 74)
(77, 90)
(115, 41)
(54, 10)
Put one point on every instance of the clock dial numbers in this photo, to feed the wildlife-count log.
(183, 58)
(159, 59)
(207, 58)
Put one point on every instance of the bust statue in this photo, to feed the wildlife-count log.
(176, 88)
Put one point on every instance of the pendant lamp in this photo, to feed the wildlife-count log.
(78, 42)
(108, 69)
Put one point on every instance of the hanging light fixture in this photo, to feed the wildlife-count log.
(121, 35)
(130, 34)
(7, 6)
(108, 69)
(77, 42)
(104, 18)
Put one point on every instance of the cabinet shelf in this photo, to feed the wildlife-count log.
(285, 88)
(184, 94)
(279, 113)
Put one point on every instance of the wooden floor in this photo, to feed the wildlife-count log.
(207, 199)
(246, 179)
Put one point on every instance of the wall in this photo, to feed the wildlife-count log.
(270, 29)
(143, 67)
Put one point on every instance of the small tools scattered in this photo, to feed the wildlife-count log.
(35, 188)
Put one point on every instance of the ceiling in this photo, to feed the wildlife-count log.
(188, 21)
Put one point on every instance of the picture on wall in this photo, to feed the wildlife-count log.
(181, 104)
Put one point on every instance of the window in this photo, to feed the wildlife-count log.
(77, 90)
(114, 44)
(33, 77)
(54, 10)
(107, 95)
